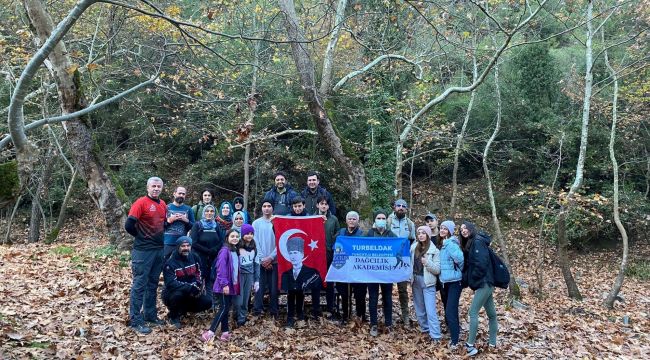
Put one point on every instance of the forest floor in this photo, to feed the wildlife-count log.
(70, 300)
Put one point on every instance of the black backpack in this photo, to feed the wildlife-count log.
(499, 270)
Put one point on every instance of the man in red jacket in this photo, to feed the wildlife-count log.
(146, 222)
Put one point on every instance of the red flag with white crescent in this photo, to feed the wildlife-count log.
(300, 241)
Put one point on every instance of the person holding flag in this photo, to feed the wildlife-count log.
(303, 264)
(380, 230)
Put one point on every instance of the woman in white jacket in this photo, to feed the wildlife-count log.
(425, 258)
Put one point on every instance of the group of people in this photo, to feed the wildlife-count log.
(217, 258)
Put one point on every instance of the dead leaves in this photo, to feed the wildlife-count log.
(64, 301)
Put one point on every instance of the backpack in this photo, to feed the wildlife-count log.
(409, 225)
(499, 270)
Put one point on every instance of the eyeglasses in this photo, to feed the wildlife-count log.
(400, 205)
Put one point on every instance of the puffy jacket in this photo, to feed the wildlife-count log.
(224, 273)
(281, 202)
(479, 266)
(451, 261)
(432, 267)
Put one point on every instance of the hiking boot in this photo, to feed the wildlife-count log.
(141, 329)
(373, 331)
(225, 336)
(471, 350)
(175, 322)
(207, 335)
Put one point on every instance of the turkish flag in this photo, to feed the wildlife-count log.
(302, 261)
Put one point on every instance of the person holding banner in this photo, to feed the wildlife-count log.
(451, 265)
(425, 258)
(380, 230)
(331, 229)
(360, 289)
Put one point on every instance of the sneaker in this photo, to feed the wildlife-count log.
(471, 350)
(142, 329)
(373, 331)
(225, 336)
(207, 335)
(175, 322)
(291, 322)
(453, 347)
(343, 322)
(155, 322)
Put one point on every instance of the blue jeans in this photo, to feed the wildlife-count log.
(452, 291)
(146, 266)
(386, 299)
(424, 300)
(268, 281)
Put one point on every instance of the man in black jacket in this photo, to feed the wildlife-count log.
(281, 195)
(313, 191)
(184, 289)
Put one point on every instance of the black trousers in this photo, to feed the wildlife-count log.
(180, 303)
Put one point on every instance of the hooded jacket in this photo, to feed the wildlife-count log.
(432, 266)
(181, 272)
(451, 261)
(225, 274)
(479, 266)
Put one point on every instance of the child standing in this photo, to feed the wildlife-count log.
(226, 284)
(250, 273)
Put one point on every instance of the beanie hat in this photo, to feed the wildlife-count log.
(401, 202)
(450, 226)
(379, 211)
(427, 230)
(183, 239)
(247, 229)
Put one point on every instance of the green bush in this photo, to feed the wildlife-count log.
(639, 269)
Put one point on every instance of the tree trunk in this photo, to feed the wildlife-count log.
(618, 282)
(461, 135)
(513, 287)
(54, 234)
(78, 131)
(40, 193)
(564, 261)
(332, 143)
(541, 251)
(252, 106)
(10, 221)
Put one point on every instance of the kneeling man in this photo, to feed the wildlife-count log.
(184, 290)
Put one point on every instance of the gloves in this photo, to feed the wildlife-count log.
(256, 286)
(195, 290)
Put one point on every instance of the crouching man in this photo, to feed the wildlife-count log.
(184, 290)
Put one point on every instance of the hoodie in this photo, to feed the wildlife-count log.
(479, 265)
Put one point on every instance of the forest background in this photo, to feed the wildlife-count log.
(528, 117)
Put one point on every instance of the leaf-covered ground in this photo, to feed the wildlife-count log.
(70, 300)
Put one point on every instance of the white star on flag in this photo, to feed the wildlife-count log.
(313, 244)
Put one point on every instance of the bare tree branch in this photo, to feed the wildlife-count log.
(76, 114)
(372, 64)
(273, 136)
